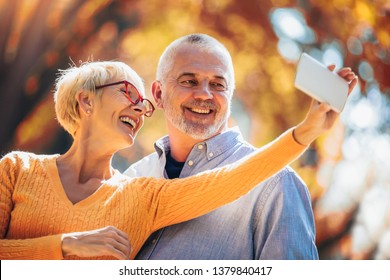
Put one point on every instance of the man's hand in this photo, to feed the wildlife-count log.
(107, 241)
(321, 117)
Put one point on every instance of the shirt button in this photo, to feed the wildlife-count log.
(154, 241)
(200, 146)
(190, 163)
(211, 154)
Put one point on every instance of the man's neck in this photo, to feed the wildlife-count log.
(181, 147)
(181, 144)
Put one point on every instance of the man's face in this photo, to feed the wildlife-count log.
(195, 94)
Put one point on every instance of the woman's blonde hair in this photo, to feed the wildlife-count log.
(87, 76)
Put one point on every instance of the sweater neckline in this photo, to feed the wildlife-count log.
(89, 201)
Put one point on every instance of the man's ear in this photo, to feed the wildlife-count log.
(85, 101)
(157, 93)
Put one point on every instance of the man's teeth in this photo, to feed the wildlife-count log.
(200, 111)
(128, 120)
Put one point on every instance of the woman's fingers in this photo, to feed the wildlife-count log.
(347, 74)
(116, 250)
(344, 71)
(352, 84)
(118, 240)
(107, 241)
(121, 241)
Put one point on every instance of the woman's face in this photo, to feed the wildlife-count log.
(115, 118)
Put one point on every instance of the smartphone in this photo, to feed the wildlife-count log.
(317, 81)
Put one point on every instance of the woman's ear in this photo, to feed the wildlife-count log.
(157, 93)
(85, 101)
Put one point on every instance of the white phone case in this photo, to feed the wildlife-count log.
(317, 81)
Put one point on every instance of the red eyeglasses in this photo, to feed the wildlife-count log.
(133, 96)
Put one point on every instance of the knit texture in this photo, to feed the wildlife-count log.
(35, 211)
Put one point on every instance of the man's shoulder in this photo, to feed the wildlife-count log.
(286, 185)
(288, 189)
(287, 180)
(282, 180)
(287, 173)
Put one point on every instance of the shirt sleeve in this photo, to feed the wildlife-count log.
(284, 227)
(178, 200)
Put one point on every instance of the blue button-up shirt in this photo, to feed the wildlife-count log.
(273, 221)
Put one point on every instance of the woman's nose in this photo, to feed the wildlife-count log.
(139, 108)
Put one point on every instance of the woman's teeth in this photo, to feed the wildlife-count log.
(128, 120)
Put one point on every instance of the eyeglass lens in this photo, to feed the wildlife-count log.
(135, 97)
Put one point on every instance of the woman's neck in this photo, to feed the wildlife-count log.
(85, 160)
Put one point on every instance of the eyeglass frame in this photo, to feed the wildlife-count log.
(127, 95)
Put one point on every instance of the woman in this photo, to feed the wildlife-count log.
(76, 205)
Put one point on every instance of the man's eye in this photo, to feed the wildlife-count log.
(218, 86)
(188, 83)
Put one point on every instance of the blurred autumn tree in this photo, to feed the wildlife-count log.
(39, 37)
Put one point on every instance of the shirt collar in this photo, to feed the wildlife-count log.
(215, 146)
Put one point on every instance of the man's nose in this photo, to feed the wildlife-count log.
(203, 92)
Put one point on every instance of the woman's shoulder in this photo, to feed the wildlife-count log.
(24, 158)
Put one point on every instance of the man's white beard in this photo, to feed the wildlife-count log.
(199, 131)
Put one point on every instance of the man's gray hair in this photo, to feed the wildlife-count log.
(203, 42)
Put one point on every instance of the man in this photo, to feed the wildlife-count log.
(194, 87)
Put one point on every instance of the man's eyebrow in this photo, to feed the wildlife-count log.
(194, 75)
(220, 77)
(186, 74)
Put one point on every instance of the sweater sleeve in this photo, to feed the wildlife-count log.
(40, 248)
(178, 200)
(48, 247)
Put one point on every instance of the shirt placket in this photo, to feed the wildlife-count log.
(196, 161)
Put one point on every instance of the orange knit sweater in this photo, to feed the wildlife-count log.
(35, 211)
